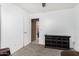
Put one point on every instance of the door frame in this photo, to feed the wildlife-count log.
(37, 19)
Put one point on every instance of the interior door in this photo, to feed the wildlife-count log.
(33, 25)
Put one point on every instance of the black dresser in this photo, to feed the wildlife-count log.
(57, 41)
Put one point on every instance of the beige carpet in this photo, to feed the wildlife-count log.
(37, 50)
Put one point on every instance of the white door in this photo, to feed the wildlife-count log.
(27, 31)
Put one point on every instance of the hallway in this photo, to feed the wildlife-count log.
(37, 50)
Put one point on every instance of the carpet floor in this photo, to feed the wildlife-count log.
(37, 50)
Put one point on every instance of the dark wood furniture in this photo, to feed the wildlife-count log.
(57, 41)
(5, 52)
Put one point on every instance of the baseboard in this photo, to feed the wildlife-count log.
(76, 50)
(20, 47)
(27, 43)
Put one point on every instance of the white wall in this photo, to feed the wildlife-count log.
(12, 29)
(76, 9)
(56, 23)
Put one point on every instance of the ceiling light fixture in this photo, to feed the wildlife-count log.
(43, 4)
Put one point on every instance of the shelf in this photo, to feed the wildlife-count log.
(57, 41)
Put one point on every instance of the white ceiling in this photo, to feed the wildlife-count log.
(37, 7)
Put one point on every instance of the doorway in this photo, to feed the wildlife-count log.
(35, 30)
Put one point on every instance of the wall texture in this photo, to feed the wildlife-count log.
(12, 27)
(56, 23)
